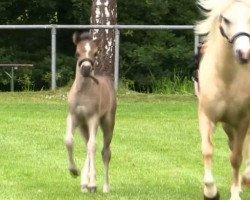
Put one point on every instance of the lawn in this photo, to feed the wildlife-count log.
(155, 150)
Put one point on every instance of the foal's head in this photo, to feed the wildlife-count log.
(86, 51)
(235, 27)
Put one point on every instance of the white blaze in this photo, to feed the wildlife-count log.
(88, 49)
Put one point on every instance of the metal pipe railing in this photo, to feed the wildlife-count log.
(117, 28)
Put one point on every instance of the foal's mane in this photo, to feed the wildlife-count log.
(212, 10)
(85, 36)
(80, 36)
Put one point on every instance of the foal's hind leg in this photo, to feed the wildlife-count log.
(107, 125)
(69, 141)
(207, 128)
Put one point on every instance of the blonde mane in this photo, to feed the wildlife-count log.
(212, 10)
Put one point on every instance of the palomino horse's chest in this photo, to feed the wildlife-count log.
(229, 106)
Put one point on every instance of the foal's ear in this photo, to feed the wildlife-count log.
(76, 37)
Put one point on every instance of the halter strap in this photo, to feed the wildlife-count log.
(237, 35)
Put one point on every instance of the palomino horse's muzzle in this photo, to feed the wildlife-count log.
(243, 58)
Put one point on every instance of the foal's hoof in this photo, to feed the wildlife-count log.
(216, 197)
(74, 172)
(246, 180)
(84, 188)
(92, 189)
(106, 188)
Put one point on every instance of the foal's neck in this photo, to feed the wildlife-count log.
(83, 83)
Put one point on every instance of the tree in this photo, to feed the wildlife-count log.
(104, 12)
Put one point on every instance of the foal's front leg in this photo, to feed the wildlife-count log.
(69, 141)
(91, 148)
(207, 128)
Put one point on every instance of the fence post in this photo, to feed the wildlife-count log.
(196, 43)
(53, 58)
(12, 79)
(117, 46)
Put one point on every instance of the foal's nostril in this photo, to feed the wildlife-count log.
(85, 70)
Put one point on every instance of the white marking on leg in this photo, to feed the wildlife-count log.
(85, 175)
(92, 151)
(69, 141)
(235, 192)
(207, 129)
(210, 189)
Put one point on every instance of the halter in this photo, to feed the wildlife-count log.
(92, 68)
(237, 35)
(88, 60)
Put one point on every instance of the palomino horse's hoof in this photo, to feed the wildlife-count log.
(246, 180)
(216, 197)
(74, 172)
(92, 189)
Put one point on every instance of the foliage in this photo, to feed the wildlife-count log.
(146, 57)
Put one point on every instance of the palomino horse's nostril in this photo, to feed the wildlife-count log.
(242, 57)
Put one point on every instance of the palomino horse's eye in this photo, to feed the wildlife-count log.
(226, 21)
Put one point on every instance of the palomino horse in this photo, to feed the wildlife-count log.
(91, 101)
(224, 81)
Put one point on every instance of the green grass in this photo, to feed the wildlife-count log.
(155, 150)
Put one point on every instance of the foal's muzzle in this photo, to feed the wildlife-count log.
(86, 67)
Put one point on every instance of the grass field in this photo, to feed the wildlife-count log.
(155, 150)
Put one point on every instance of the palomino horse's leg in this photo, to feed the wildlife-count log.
(246, 155)
(69, 141)
(236, 159)
(91, 146)
(85, 169)
(207, 128)
(107, 125)
(231, 132)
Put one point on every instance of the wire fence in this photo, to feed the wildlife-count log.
(117, 29)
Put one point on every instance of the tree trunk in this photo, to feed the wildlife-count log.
(104, 12)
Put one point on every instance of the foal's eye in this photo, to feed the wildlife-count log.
(77, 55)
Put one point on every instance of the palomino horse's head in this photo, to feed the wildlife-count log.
(235, 27)
(230, 18)
(86, 51)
